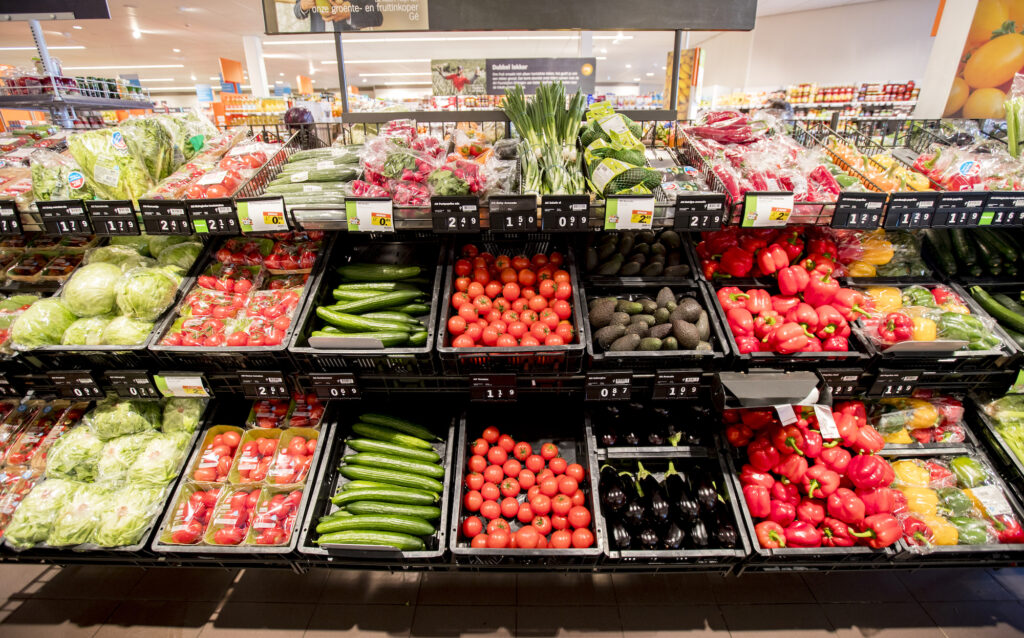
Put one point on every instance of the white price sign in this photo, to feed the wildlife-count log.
(370, 215)
(264, 215)
(761, 210)
(629, 213)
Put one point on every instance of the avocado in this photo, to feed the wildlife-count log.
(673, 259)
(601, 314)
(599, 300)
(629, 269)
(652, 269)
(670, 306)
(703, 326)
(592, 259)
(638, 258)
(650, 343)
(627, 306)
(645, 318)
(619, 318)
(626, 243)
(703, 345)
(649, 305)
(669, 343)
(626, 343)
(670, 238)
(681, 270)
(606, 336)
(656, 258)
(686, 333)
(660, 330)
(645, 236)
(688, 309)
(665, 295)
(657, 248)
(642, 249)
(661, 315)
(605, 250)
(611, 266)
(639, 328)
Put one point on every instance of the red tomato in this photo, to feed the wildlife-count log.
(491, 315)
(493, 289)
(565, 332)
(480, 541)
(494, 474)
(549, 318)
(579, 498)
(545, 474)
(472, 501)
(479, 262)
(582, 538)
(510, 487)
(562, 308)
(477, 463)
(559, 522)
(469, 312)
(558, 465)
(489, 336)
(472, 526)
(483, 303)
(561, 276)
(499, 539)
(556, 259)
(491, 434)
(561, 504)
(502, 328)
(575, 470)
(507, 275)
(474, 331)
(528, 293)
(502, 305)
(540, 504)
(527, 479)
(462, 284)
(540, 331)
(510, 317)
(469, 250)
(548, 451)
(567, 485)
(539, 260)
(507, 341)
(527, 537)
(490, 510)
(549, 486)
(512, 467)
(519, 262)
(474, 480)
(542, 524)
(520, 304)
(510, 291)
(579, 516)
(547, 288)
(532, 492)
(525, 514)
(529, 317)
(463, 341)
(527, 277)
(497, 455)
(205, 474)
(459, 299)
(502, 261)
(463, 267)
(498, 523)
(538, 303)
(521, 451)
(456, 325)
(490, 491)
(474, 290)
(480, 447)
(529, 341)
(509, 507)
(563, 290)
(534, 462)
(481, 276)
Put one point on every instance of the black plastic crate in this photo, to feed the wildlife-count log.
(329, 481)
(685, 256)
(573, 445)
(567, 358)
(714, 359)
(611, 427)
(398, 360)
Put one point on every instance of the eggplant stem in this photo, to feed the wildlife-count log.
(671, 470)
(675, 438)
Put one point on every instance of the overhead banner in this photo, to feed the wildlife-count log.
(493, 76)
(319, 16)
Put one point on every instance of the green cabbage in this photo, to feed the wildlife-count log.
(79, 519)
(126, 257)
(180, 255)
(145, 293)
(35, 516)
(159, 463)
(116, 417)
(182, 415)
(125, 331)
(159, 243)
(86, 332)
(111, 169)
(139, 243)
(133, 510)
(91, 290)
(74, 455)
(42, 324)
(118, 455)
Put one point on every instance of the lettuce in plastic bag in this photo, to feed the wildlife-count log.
(180, 255)
(159, 463)
(112, 170)
(74, 455)
(42, 324)
(159, 243)
(139, 243)
(182, 415)
(145, 293)
(118, 455)
(79, 519)
(38, 511)
(125, 257)
(117, 417)
(55, 177)
(86, 332)
(126, 331)
(148, 140)
(133, 510)
(91, 290)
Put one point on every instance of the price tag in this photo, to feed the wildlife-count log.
(113, 218)
(700, 212)
(895, 383)
(513, 213)
(64, 217)
(767, 209)
(628, 212)
(841, 382)
(213, 216)
(786, 413)
(10, 219)
(132, 384)
(335, 385)
(164, 217)
(7, 388)
(1003, 209)
(181, 384)
(370, 215)
(826, 422)
(262, 215)
(564, 213)
(959, 210)
(993, 500)
(676, 384)
(493, 387)
(457, 214)
(609, 386)
(859, 211)
(263, 385)
(75, 384)
(907, 211)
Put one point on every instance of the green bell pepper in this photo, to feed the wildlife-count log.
(955, 501)
(953, 325)
(918, 296)
(969, 472)
(972, 531)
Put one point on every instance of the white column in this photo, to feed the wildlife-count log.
(947, 47)
(254, 65)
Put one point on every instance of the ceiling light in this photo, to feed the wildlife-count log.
(76, 27)
(156, 79)
(193, 77)
(601, 57)
(281, 55)
(604, 50)
(636, 79)
(215, 78)
(281, 74)
(125, 66)
(648, 74)
(50, 48)
(382, 75)
(629, 66)
(377, 61)
(176, 50)
(468, 38)
(614, 38)
(159, 89)
(137, 34)
(663, 68)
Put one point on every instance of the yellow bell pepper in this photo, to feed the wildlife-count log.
(886, 298)
(883, 159)
(924, 329)
(876, 251)
(899, 437)
(917, 181)
(921, 500)
(860, 269)
(943, 531)
(922, 413)
(911, 474)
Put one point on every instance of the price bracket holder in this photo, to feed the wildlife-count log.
(766, 209)
(1003, 209)
(513, 213)
(677, 384)
(493, 387)
(8, 389)
(188, 385)
(700, 212)
(859, 211)
(10, 219)
(213, 216)
(843, 383)
(962, 209)
(455, 214)
(66, 217)
(334, 385)
(908, 211)
(261, 215)
(609, 386)
(895, 383)
(628, 212)
(564, 213)
(75, 384)
(263, 385)
(132, 384)
(114, 217)
(369, 215)
(164, 217)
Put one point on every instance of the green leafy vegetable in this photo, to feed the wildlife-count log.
(42, 324)
(125, 257)
(145, 293)
(159, 462)
(79, 519)
(38, 511)
(116, 417)
(117, 456)
(182, 415)
(126, 331)
(131, 513)
(74, 455)
(86, 332)
(112, 171)
(180, 255)
(91, 290)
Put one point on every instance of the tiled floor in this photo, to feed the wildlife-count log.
(125, 601)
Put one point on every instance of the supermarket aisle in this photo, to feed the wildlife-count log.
(109, 601)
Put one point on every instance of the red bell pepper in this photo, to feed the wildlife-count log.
(738, 435)
(817, 262)
(869, 440)
(805, 316)
(831, 323)
(810, 511)
(732, 297)
(788, 338)
(793, 280)
(879, 530)
(785, 492)
(770, 535)
(750, 475)
(849, 303)
(788, 439)
(813, 345)
(765, 322)
(710, 268)
(741, 322)
(758, 300)
(847, 426)
(748, 343)
(942, 296)
(819, 481)
(791, 242)
(1008, 529)
(824, 247)
(783, 303)
(836, 344)
(782, 513)
(821, 289)
(845, 505)
(835, 533)
(737, 262)
(813, 444)
(855, 409)
(752, 241)
(896, 327)
(878, 500)
(900, 500)
(792, 467)
(757, 500)
(868, 471)
(835, 458)
(717, 242)
(939, 475)
(801, 534)
(916, 532)
(758, 419)
(762, 454)
(772, 259)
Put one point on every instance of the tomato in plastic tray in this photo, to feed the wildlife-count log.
(244, 251)
(282, 282)
(274, 519)
(218, 454)
(230, 278)
(11, 143)
(256, 331)
(192, 514)
(253, 462)
(307, 411)
(232, 517)
(61, 267)
(294, 456)
(34, 436)
(244, 161)
(15, 483)
(195, 332)
(217, 183)
(288, 256)
(268, 414)
(272, 304)
(212, 303)
(30, 266)
(20, 241)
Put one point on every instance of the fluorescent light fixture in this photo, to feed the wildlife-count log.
(649, 74)
(176, 50)
(613, 37)
(158, 89)
(281, 74)
(636, 79)
(377, 61)
(407, 84)
(215, 78)
(604, 50)
(382, 75)
(76, 27)
(601, 57)
(125, 66)
(50, 48)
(137, 34)
(629, 66)
(156, 79)
(466, 38)
(281, 55)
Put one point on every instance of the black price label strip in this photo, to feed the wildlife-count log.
(493, 387)
(214, 216)
(455, 214)
(858, 211)
(895, 384)
(335, 385)
(609, 386)
(64, 217)
(842, 383)
(700, 212)
(132, 384)
(513, 213)
(677, 384)
(165, 217)
(910, 210)
(565, 213)
(1003, 209)
(10, 219)
(75, 384)
(960, 210)
(263, 385)
(110, 218)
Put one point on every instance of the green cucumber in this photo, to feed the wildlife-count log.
(386, 301)
(388, 495)
(381, 286)
(335, 516)
(996, 241)
(363, 485)
(377, 272)
(990, 257)
(404, 542)
(356, 323)
(1017, 337)
(391, 315)
(388, 462)
(369, 445)
(426, 512)
(1010, 304)
(414, 309)
(390, 435)
(393, 523)
(387, 339)
(1001, 313)
(395, 423)
(352, 295)
(942, 249)
(963, 247)
(403, 479)
(418, 338)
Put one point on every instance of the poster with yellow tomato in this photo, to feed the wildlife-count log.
(993, 54)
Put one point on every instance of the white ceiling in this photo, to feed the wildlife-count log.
(203, 32)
